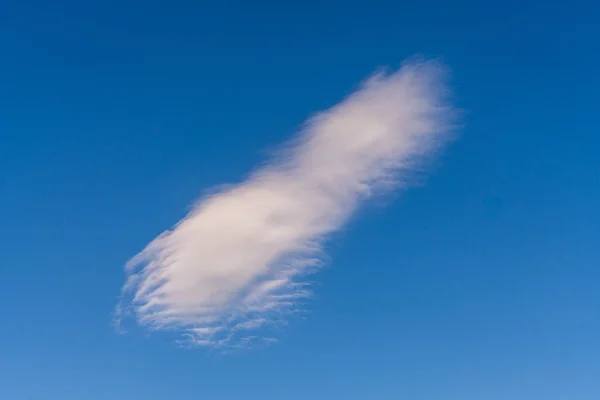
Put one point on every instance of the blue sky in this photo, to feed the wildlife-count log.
(479, 283)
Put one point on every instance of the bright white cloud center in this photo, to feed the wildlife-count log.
(237, 261)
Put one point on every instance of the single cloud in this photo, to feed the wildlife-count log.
(238, 262)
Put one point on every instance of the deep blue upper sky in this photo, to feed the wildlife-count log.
(481, 284)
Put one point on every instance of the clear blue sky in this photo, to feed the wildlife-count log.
(481, 284)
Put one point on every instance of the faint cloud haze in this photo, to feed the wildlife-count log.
(238, 262)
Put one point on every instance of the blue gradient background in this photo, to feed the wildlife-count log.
(481, 284)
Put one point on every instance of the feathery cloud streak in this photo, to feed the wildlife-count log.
(237, 262)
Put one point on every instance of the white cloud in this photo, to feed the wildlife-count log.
(238, 261)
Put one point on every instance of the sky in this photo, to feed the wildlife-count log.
(451, 256)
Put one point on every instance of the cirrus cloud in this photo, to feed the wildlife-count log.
(237, 263)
